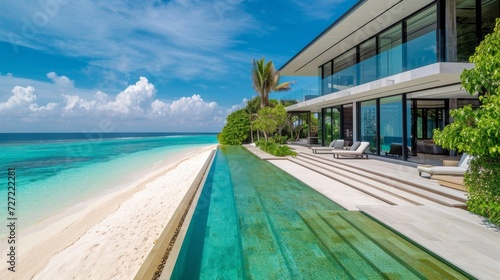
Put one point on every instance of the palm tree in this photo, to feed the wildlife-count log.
(266, 79)
(252, 108)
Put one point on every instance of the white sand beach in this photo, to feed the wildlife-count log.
(110, 236)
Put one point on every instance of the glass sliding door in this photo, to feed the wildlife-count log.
(391, 125)
(347, 119)
(327, 126)
(330, 125)
(368, 124)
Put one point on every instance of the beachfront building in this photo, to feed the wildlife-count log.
(389, 72)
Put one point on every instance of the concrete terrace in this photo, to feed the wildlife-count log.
(431, 215)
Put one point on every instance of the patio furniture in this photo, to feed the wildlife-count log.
(358, 149)
(446, 169)
(334, 145)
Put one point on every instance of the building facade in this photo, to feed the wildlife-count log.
(389, 71)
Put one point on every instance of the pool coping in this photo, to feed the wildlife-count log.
(160, 262)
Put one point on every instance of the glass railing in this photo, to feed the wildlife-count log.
(413, 54)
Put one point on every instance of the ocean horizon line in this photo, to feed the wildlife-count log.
(6, 137)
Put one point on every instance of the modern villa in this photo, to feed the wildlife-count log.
(389, 72)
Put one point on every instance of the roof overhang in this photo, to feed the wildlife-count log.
(435, 81)
(364, 20)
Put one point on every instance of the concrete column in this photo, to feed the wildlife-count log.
(354, 122)
(451, 30)
(309, 128)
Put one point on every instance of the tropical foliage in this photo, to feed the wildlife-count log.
(236, 130)
(476, 132)
(266, 79)
(265, 116)
(275, 149)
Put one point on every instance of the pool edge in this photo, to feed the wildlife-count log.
(166, 250)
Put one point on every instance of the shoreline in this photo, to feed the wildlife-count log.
(66, 236)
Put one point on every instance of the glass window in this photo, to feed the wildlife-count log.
(421, 38)
(391, 125)
(466, 29)
(344, 73)
(368, 120)
(368, 61)
(344, 61)
(390, 38)
(421, 23)
(327, 78)
(368, 49)
(390, 58)
(490, 11)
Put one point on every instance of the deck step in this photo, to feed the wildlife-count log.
(386, 174)
(363, 187)
(400, 190)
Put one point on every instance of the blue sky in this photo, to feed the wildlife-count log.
(109, 66)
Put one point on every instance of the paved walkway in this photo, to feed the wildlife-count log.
(458, 236)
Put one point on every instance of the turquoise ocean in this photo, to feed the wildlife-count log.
(54, 171)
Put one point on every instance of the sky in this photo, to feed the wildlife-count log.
(144, 66)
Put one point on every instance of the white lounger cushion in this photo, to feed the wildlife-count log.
(442, 170)
(358, 152)
(447, 170)
(335, 144)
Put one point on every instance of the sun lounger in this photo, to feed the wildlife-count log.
(358, 149)
(334, 145)
(458, 170)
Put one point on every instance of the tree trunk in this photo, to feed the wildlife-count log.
(251, 133)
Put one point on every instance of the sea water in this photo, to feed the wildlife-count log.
(54, 171)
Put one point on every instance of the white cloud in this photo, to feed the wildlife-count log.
(49, 107)
(61, 81)
(185, 39)
(186, 109)
(22, 101)
(236, 107)
(134, 108)
(21, 97)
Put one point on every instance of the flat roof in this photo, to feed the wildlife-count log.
(364, 20)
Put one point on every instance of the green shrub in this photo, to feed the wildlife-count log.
(275, 149)
(475, 131)
(483, 182)
(236, 130)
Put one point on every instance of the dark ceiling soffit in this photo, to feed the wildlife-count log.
(299, 112)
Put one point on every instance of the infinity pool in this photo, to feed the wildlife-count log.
(254, 221)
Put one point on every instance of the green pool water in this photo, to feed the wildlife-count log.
(254, 221)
